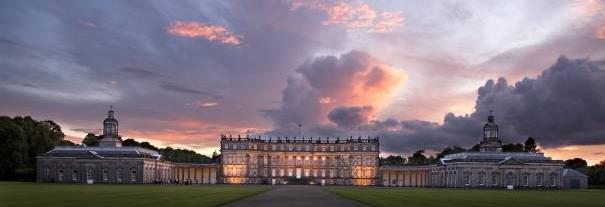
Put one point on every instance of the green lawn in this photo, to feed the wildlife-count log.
(411, 197)
(48, 195)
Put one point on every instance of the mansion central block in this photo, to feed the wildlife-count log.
(281, 161)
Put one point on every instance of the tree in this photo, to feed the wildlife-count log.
(450, 150)
(418, 158)
(393, 160)
(530, 145)
(21, 140)
(576, 163)
(518, 147)
(91, 140)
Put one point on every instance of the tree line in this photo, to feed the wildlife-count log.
(21, 140)
(168, 153)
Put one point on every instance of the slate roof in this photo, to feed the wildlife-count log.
(573, 173)
(498, 157)
(102, 152)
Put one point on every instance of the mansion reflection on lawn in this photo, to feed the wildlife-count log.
(351, 161)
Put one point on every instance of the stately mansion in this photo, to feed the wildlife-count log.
(320, 161)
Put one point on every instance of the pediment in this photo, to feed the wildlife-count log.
(510, 161)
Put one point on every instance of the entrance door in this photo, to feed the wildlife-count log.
(298, 173)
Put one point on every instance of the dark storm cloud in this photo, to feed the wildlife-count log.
(350, 117)
(564, 105)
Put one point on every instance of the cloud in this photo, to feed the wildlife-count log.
(185, 90)
(211, 32)
(352, 79)
(350, 117)
(203, 104)
(562, 106)
(353, 14)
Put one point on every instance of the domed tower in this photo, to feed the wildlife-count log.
(110, 131)
(491, 137)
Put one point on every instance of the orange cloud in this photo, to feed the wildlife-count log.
(211, 32)
(591, 153)
(600, 32)
(193, 134)
(353, 14)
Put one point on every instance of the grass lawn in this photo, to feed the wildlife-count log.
(48, 195)
(411, 197)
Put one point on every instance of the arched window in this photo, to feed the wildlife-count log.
(509, 178)
(495, 179)
(61, 175)
(89, 174)
(119, 175)
(481, 178)
(539, 179)
(105, 175)
(467, 179)
(74, 175)
(553, 180)
(133, 175)
(525, 179)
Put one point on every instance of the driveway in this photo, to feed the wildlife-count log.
(294, 196)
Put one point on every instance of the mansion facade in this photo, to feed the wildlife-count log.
(350, 161)
(280, 161)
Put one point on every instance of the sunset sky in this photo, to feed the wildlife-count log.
(418, 74)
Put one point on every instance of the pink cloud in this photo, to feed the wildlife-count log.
(203, 104)
(353, 14)
(211, 32)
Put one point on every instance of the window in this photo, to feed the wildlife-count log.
(539, 180)
(105, 175)
(133, 175)
(46, 173)
(331, 148)
(89, 174)
(74, 175)
(553, 180)
(60, 177)
(525, 179)
(509, 179)
(273, 147)
(467, 179)
(481, 179)
(495, 178)
(118, 175)
(226, 146)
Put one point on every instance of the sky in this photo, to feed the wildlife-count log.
(417, 74)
